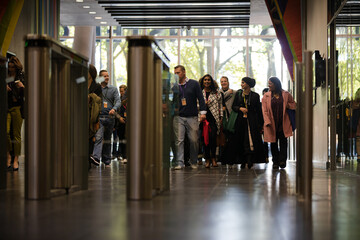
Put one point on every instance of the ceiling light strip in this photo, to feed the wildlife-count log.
(168, 17)
(175, 4)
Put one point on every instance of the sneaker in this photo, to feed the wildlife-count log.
(194, 166)
(178, 167)
(124, 161)
(94, 160)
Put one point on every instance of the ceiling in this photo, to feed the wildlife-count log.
(164, 13)
(349, 14)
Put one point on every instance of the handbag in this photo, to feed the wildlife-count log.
(291, 114)
(220, 139)
(229, 123)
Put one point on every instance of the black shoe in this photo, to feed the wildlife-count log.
(15, 169)
(107, 162)
(94, 160)
(243, 165)
(275, 166)
(9, 168)
(282, 164)
(250, 165)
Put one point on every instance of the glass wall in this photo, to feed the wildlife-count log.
(348, 88)
(232, 52)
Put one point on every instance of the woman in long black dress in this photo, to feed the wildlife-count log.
(248, 126)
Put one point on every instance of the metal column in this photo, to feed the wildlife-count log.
(304, 115)
(37, 125)
(333, 96)
(139, 128)
(60, 125)
(3, 113)
(79, 126)
(158, 126)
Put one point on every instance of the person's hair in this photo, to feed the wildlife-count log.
(265, 90)
(276, 81)
(92, 71)
(180, 66)
(213, 86)
(102, 72)
(227, 79)
(123, 86)
(16, 63)
(249, 81)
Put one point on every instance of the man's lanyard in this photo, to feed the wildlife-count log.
(182, 90)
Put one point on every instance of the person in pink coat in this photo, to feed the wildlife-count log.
(277, 125)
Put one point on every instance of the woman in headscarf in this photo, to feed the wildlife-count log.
(248, 126)
(277, 125)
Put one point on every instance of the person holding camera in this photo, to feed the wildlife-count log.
(15, 113)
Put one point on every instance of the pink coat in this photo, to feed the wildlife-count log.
(269, 124)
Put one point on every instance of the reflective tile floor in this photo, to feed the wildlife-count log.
(219, 203)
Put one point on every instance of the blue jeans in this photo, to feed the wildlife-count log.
(190, 126)
(102, 148)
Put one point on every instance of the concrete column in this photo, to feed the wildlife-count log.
(84, 42)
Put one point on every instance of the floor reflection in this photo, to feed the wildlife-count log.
(215, 203)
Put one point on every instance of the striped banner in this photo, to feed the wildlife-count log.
(47, 14)
(286, 18)
(9, 15)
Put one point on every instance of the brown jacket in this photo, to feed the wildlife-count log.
(94, 111)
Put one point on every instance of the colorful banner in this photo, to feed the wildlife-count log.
(286, 19)
(9, 15)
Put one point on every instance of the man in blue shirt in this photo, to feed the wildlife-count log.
(186, 118)
(110, 103)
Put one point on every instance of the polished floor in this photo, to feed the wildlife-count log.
(218, 203)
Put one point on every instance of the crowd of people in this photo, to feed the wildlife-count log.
(217, 124)
(204, 114)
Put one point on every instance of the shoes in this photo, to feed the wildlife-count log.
(178, 167)
(94, 160)
(207, 163)
(9, 168)
(15, 169)
(282, 164)
(243, 165)
(250, 165)
(200, 162)
(194, 166)
(214, 163)
(124, 161)
(107, 162)
(275, 166)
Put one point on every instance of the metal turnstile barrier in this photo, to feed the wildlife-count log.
(56, 128)
(3, 113)
(304, 123)
(148, 170)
